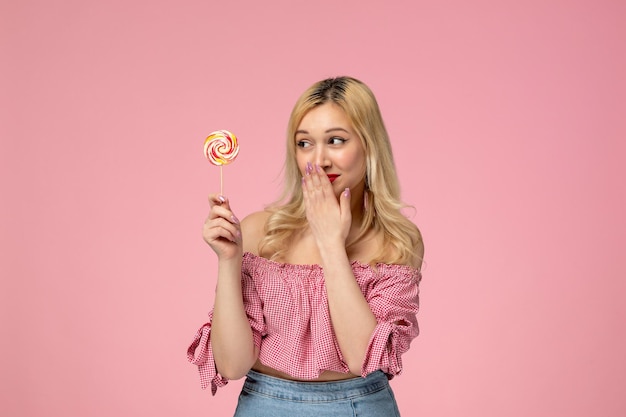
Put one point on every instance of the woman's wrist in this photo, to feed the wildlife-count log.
(232, 264)
(331, 252)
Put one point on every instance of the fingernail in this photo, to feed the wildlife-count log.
(234, 219)
(309, 168)
(317, 168)
(346, 192)
(222, 198)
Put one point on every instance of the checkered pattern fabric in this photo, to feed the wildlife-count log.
(287, 307)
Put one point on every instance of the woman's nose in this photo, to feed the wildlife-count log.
(321, 158)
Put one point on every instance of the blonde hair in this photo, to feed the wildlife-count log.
(401, 237)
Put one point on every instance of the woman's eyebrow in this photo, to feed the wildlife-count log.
(332, 129)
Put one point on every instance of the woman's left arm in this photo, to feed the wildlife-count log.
(350, 313)
(352, 319)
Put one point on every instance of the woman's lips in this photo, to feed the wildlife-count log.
(332, 177)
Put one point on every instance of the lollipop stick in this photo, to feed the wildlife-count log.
(221, 181)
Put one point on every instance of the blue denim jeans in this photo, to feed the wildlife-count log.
(267, 396)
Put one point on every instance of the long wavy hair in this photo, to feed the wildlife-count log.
(382, 204)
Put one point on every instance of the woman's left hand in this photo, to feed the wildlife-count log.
(328, 218)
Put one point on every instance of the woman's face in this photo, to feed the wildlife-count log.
(325, 137)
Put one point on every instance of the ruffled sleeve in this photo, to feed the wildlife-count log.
(394, 300)
(203, 358)
(200, 352)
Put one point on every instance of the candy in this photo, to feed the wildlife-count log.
(221, 147)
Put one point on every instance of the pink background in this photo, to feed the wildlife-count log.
(507, 121)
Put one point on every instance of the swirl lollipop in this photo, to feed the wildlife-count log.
(221, 148)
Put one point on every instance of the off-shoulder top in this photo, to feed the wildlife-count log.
(287, 307)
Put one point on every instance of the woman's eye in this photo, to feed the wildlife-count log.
(336, 140)
(302, 144)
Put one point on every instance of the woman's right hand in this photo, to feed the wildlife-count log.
(222, 230)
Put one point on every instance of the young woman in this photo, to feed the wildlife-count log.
(317, 295)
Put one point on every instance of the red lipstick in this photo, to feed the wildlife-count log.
(332, 177)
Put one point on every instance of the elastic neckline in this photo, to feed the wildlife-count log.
(354, 263)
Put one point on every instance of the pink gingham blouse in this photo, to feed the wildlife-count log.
(287, 307)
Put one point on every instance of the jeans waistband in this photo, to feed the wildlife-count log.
(315, 391)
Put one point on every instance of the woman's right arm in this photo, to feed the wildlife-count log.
(232, 340)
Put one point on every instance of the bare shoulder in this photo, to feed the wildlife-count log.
(412, 255)
(253, 230)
